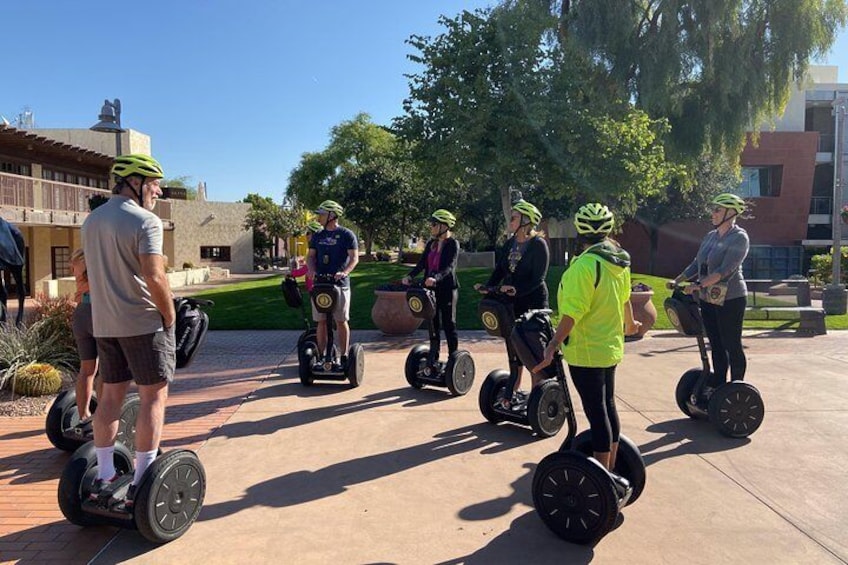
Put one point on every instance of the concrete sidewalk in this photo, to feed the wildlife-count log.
(388, 474)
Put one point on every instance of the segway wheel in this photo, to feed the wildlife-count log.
(490, 391)
(304, 366)
(414, 360)
(63, 416)
(574, 496)
(628, 462)
(684, 389)
(736, 409)
(126, 423)
(546, 408)
(170, 496)
(459, 373)
(307, 340)
(78, 477)
(355, 370)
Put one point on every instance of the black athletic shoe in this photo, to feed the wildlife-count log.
(128, 503)
(100, 485)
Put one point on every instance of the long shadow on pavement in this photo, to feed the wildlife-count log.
(301, 487)
(56, 542)
(526, 541)
(690, 437)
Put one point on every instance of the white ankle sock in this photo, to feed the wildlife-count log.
(143, 459)
(105, 462)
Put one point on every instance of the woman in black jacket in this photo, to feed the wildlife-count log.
(438, 262)
(520, 270)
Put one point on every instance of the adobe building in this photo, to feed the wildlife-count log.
(47, 178)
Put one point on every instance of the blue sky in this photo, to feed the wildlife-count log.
(231, 93)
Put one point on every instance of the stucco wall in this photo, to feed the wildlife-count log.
(219, 224)
(131, 141)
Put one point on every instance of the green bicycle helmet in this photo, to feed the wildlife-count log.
(730, 201)
(314, 226)
(330, 206)
(593, 219)
(526, 209)
(443, 217)
(137, 164)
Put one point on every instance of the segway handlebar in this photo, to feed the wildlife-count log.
(328, 278)
(494, 290)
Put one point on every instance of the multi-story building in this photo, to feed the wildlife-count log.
(47, 178)
(788, 175)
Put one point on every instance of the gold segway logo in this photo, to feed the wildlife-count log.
(415, 304)
(324, 300)
(673, 317)
(490, 320)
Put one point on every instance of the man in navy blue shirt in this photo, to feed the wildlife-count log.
(334, 251)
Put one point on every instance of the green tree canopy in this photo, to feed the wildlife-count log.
(714, 68)
(499, 107)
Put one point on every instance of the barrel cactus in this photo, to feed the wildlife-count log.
(37, 379)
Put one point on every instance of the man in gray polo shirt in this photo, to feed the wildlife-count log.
(133, 314)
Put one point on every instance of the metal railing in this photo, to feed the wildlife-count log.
(20, 192)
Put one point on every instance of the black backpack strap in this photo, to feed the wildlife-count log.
(597, 273)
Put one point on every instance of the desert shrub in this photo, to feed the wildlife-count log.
(37, 342)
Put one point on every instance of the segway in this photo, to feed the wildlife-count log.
(735, 408)
(166, 504)
(574, 495)
(422, 365)
(62, 425)
(326, 365)
(306, 340)
(547, 406)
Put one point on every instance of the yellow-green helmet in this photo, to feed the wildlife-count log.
(137, 164)
(330, 206)
(593, 219)
(526, 209)
(443, 217)
(314, 226)
(731, 201)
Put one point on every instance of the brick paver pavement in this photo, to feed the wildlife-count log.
(203, 397)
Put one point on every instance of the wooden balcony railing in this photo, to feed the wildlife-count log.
(38, 201)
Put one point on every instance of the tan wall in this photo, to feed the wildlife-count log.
(39, 240)
(131, 141)
(221, 224)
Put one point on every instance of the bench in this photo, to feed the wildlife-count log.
(795, 293)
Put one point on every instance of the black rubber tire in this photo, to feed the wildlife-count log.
(414, 358)
(170, 496)
(736, 409)
(63, 415)
(546, 408)
(78, 476)
(304, 367)
(628, 462)
(684, 391)
(574, 497)
(355, 370)
(126, 423)
(489, 391)
(459, 373)
(306, 340)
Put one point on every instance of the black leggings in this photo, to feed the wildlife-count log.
(596, 387)
(445, 317)
(723, 325)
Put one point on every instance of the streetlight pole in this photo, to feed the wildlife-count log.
(110, 122)
(835, 295)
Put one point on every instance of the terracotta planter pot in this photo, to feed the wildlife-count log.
(643, 311)
(391, 314)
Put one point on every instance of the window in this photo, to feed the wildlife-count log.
(14, 168)
(215, 253)
(758, 182)
(60, 259)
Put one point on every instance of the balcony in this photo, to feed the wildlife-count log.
(32, 201)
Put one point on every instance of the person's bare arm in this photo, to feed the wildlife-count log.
(153, 272)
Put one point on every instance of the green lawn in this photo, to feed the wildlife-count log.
(259, 304)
